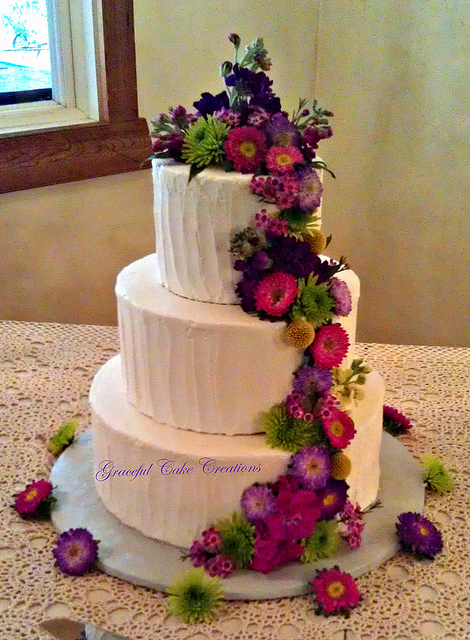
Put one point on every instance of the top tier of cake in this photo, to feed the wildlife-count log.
(194, 224)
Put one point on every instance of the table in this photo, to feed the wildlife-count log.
(45, 374)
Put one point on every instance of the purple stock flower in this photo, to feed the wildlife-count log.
(309, 143)
(208, 104)
(342, 296)
(418, 534)
(312, 467)
(294, 256)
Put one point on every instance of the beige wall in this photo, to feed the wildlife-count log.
(396, 74)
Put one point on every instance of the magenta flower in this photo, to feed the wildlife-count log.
(416, 533)
(330, 346)
(198, 554)
(342, 297)
(266, 556)
(276, 293)
(310, 192)
(339, 428)
(76, 551)
(311, 467)
(351, 524)
(295, 517)
(220, 565)
(395, 422)
(258, 502)
(332, 498)
(280, 190)
(246, 147)
(211, 539)
(281, 160)
(34, 499)
(335, 591)
(327, 405)
(257, 116)
(230, 117)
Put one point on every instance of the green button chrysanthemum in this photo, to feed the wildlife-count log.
(288, 433)
(195, 597)
(323, 543)
(435, 475)
(237, 539)
(313, 303)
(204, 142)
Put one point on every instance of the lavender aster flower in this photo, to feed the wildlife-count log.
(342, 297)
(258, 502)
(312, 381)
(280, 132)
(418, 534)
(312, 467)
(76, 551)
(310, 191)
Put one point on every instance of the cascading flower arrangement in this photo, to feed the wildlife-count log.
(243, 128)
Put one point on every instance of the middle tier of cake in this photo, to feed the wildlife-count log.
(171, 484)
(201, 366)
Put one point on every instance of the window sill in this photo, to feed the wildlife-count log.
(65, 154)
(37, 116)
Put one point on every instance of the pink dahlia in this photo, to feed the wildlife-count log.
(275, 293)
(246, 147)
(281, 160)
(339, 428)
(28, 502)
(330, 346)
(335, 591)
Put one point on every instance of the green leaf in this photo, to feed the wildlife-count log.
(319, 164)
(194, 171)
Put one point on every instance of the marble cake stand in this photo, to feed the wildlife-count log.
(128, 554)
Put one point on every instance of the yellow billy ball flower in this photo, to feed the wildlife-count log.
(316, 240)
(299, 334)
(340, 466)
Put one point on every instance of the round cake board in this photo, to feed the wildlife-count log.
(131, 556)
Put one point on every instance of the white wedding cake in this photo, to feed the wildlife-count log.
(179, 416)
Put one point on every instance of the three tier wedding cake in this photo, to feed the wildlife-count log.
(237, 421)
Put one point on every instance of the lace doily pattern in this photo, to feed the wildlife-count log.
(45, 374)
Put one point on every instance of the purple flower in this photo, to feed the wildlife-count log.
(295, 256)
(258, 502)
(208, 104)
(261, 261)
(211, 539)
(254, 85)
(332, 498)
(198, 554)
(309, 143)
(280, 132)
(76, 551)
(310, 191)
(312, 467)
(295, 516)
(312, 381)
(220, 565)
(342, 296)
(416, 533)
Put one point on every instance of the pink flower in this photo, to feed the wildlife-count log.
(296, 515)
(211, 539)
(246, 147)
(28, 501)
(275, 293)
(351, 524)
(330, 346)
(281, 190)
(335, 591)
(220, 565)
(281, 160)
(339, 428)
(266, 555)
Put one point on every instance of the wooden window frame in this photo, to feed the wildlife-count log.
(119, 142)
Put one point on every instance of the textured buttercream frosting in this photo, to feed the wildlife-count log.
(176, 507)
(194, 224)
(204, 367)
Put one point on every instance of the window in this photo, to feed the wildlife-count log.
(91, 131)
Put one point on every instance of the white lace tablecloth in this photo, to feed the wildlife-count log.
(46, 371)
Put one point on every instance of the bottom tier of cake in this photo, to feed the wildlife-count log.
(170, 483)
